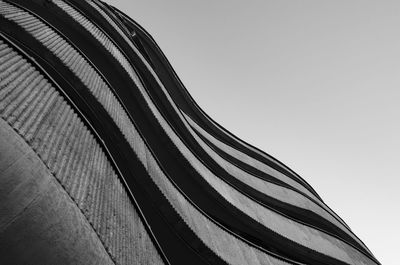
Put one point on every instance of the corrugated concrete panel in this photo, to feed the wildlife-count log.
(281, 193)
(306, 236)
(39, 222)
(353, 254)
(57, 176)
(68, 149)
(128, 68)
(229, 252)
(227, 246)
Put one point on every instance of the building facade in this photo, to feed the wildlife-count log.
(106, 159)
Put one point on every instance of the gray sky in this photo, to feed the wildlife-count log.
(316, 84)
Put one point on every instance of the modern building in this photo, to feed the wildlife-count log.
(106, 159)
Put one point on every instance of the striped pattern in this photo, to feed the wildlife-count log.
(107, 43)
(225, 250)
(320, 242)
(34, 108)
(283, 194)
(37, 111)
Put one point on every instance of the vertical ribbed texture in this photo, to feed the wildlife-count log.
(297, 232)
(76, 168)
(214, 236)
(34, 108)
(116, 53)
(45, 120)
(276, 191)
(306, 236)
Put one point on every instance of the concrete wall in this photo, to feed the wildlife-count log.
(39, 222)
(60, 200)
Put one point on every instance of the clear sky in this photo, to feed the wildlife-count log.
(316, 84)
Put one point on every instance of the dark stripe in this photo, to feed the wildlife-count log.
(176, 89)
(167, 153)
(172, 161)
(182, 246)
(291, 211)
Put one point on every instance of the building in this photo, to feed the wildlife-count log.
(106, 159)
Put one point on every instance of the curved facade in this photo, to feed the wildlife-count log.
(106, 159)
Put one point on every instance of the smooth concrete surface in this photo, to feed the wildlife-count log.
(61, 201)
(39, 223)
(33, 107)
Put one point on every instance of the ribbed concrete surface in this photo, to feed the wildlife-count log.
(276, 191)
(227, 246)
(39, 222)
(299, 233)
(32, 106)
(41, 116)
(107, 43)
